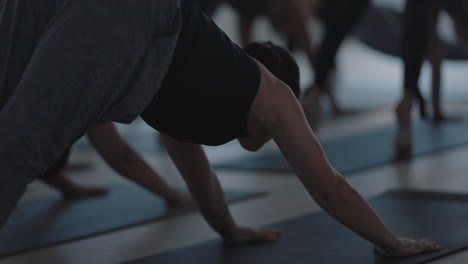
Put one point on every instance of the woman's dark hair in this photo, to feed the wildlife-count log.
(278, 61)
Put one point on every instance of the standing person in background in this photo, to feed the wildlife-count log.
(419, 42)
(291, 19)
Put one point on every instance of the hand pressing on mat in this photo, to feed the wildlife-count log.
(202, 181)
(245, 236)
(409, 247)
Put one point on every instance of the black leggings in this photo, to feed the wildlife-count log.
(339, 17)
(418, 18)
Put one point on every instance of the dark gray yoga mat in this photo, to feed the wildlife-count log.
(51, 220)
(317, 238)
(367, 149)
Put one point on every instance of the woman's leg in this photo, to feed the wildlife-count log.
(339, 17)
(56, 178)
(416, 36)
(435, 59)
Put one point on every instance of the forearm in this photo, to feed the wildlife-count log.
(125, 161)
(348, 207)
(213, 207)
(202, 182)
(328, 188)
(137, 170)
(340, 200)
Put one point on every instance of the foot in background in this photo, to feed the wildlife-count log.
(403, 139)
(440, 117)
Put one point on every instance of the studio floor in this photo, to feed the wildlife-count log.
(365, 79)
(286, 198)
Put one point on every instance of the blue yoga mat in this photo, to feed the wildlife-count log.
(367, 149)
(51, 220)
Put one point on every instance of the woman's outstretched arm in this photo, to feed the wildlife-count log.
(289, 129)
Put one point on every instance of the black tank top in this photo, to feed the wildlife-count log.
(207, 93)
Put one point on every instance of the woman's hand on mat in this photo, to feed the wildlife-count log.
(244, 236)
(409, 247)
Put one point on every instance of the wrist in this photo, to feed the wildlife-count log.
(228, 231)
(391, 246)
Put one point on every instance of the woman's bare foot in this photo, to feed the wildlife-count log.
(403, 138)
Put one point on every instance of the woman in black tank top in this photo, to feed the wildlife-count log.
(214, 93)
(228, 95)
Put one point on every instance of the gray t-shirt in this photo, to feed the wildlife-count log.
(66, 65)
